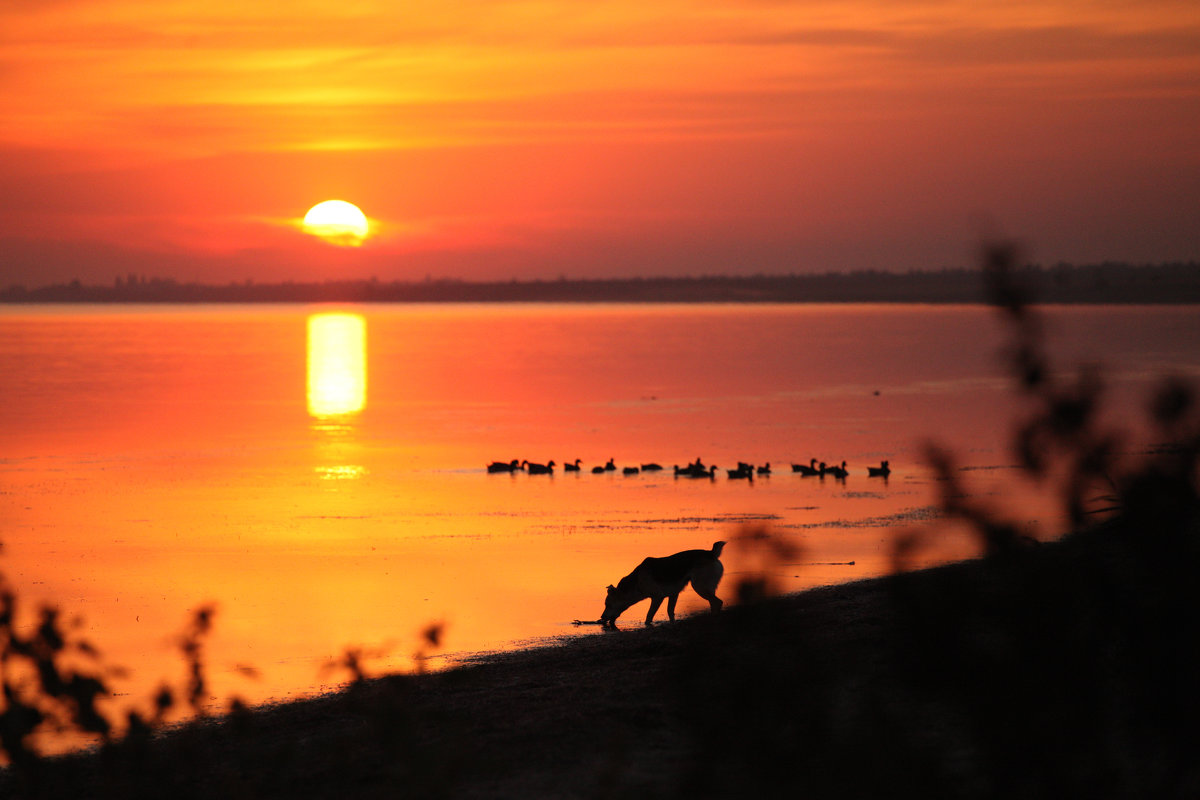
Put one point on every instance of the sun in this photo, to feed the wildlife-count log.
(337, 222)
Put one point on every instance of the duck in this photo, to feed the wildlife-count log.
(692, 471)
(882, 471)
(599, 470)
(651, 467)
(610, 466)
(765, 469)
(629, 471)
(569, 467)
(838, 472)
(807, 470)
(504, 466)
(539, 469)
(742, 471)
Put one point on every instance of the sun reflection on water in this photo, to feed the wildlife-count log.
(337, 364)
(341, 472)
(337, 390)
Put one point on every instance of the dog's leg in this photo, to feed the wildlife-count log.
(671, 601)
(714, 603)
(655, 602)
(706, 586)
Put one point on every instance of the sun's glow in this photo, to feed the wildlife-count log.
(337, 364)
(337, 222)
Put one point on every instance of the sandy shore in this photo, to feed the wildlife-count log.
(1062, 670)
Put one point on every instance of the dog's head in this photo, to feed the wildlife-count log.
(619, 598)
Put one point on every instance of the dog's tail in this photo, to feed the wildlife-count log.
(717, 548)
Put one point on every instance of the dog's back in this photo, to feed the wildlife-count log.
(669, 570)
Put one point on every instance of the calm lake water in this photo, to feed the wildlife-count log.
(327, 492)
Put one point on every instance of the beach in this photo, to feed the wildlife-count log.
(1055, 670)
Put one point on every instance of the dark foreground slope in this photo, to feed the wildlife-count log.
(1063, 670)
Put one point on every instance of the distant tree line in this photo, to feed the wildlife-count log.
(1109, 282)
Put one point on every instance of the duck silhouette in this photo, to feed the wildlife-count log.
(504, 466)
(838, 472)
(569, 467)
(692, 471)
(807, 470)
(882, 471)
(742, 471)
(539, 469)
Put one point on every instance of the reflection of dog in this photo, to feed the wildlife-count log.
(659, 578)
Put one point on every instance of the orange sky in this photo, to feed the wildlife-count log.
(534, 139)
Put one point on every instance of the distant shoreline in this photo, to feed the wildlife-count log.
(1176, 283)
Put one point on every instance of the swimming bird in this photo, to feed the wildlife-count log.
(765, 469)
(651, 467)
(598, 470)
(539, 469)
(882, 471)
(743, 471)
(504, 466)
(838, 472)
(691, 471)
(807, 470)
(569, 467)
(629, 471)
(610, 466)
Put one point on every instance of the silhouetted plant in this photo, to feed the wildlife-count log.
(46, 687)
(1060, 660)
(761, 554)
(353, 660)
(191, 644)
(1060, 442)
(431, 639)
(1040, 670)
(43, 684)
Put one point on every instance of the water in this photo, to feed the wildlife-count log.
(153, 459)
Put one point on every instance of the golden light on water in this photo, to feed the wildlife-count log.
(337, 364)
